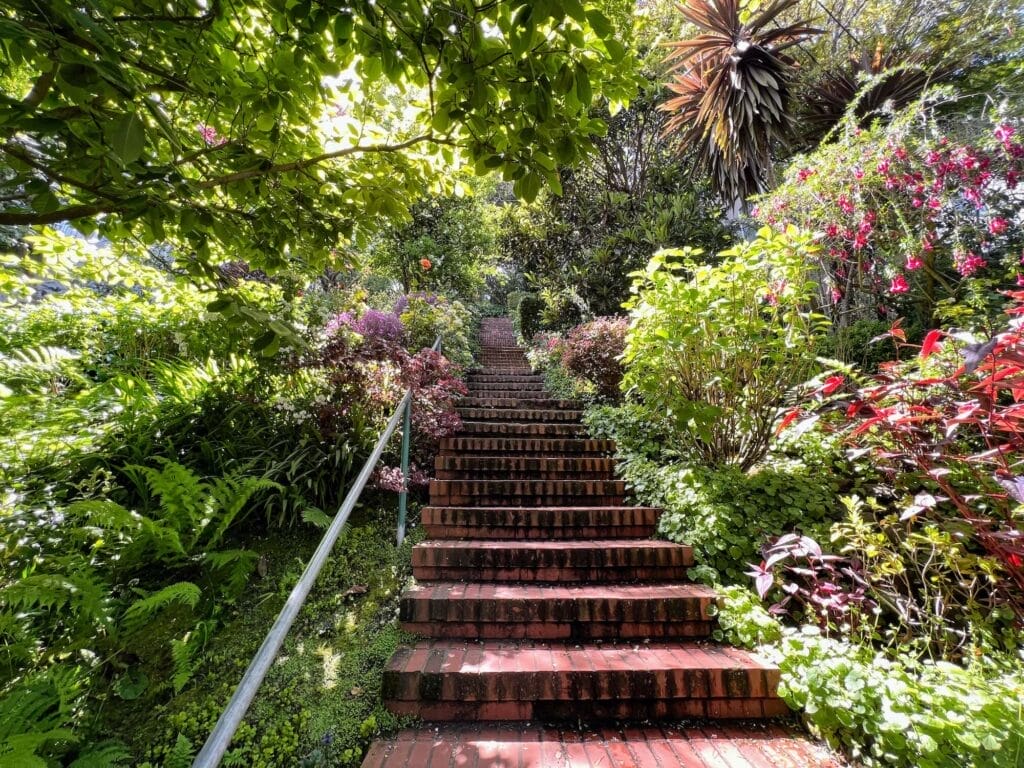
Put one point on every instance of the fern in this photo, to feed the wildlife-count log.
(184, 652)
(182, 494)
(142, 611)
(104, 755)
(82, 593)
(232, 568)
(181, 755)
(231, 494)
(316, 516)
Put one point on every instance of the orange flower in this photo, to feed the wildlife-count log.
(425, 263)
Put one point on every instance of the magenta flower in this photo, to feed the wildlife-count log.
(914, 262)
(998, 225)
(899, 285)
(209, 135)
(1004, 133)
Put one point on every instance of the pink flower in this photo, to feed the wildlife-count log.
(844, 204)
(883, 166)
(914, 262)
(998, 225)
(831, 230)
(967, 263)
(1011, 179)
(899, 285)
(971, 195)
(1004, 133)
(934, 203)
(1020, 279)
(837, 295)
(917, 202)
(804, 174)
(901, 153)
(860, 241)
(858, 173)
(209, 135)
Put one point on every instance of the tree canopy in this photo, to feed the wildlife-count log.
(279, 131)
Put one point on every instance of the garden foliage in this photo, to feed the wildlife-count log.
(746, 320)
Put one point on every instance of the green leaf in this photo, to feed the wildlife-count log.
(583, 90)
(599, 23)
(131, 684)
(127, 137)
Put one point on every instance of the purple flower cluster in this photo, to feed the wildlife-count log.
(403, 301)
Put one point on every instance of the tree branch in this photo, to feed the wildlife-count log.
(299, 165)
(29, 218)
(41, 88)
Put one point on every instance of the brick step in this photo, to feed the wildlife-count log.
(554, 612)
(539, 446)
(712, 745)
(541, 400)
(531, 523)
(523, 467)
(516, 386)
(594, 560)
(522, 493)
(515, 428)
(519, 414)
(525, 395)
(526, 680)
(505, 377)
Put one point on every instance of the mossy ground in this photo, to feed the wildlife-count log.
(320, 704)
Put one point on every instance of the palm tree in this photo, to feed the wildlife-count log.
(732, 90)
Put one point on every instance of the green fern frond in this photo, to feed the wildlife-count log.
(82, 592)
(111, 753)
(316, 516)
(141, 611)
(232, 494)
(180, 491)
(232, 568)
(185, 651)
(181, 755)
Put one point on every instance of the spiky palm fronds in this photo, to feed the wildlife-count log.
(877, 83)
(732, 89)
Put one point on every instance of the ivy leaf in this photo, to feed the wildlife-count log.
(127, 137)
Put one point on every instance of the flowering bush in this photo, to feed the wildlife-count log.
(909, 215)
(382, 333)
(593, 351)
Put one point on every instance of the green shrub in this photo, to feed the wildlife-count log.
(726, 514)
(717, 348)
(900, 711)
(527, 317)
(426, 316)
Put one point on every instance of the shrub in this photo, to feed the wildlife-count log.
(593, 352)
(726, 514)
(527, 317)
(717, 348)
(427, 316)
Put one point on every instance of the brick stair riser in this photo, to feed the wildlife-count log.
(604, 466)
(505, 389)
(570, 632)
(550, 575)
(520, 474)
(640, 710)
(519, 404)
(530, 446)
(539, 524)
(552, 618)
(516, 429)
(477, 493)
(513, 378)
(519, 415)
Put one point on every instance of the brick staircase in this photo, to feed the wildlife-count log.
(548, 614)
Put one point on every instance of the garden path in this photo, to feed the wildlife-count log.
(541, 598)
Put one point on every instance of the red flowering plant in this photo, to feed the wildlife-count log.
(912, 219)
(945, 429)
(593, 352)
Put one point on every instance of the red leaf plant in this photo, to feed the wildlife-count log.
(951, 420)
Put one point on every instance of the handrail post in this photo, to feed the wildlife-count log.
(403, 495)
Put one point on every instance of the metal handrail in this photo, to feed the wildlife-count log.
(220, 737)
